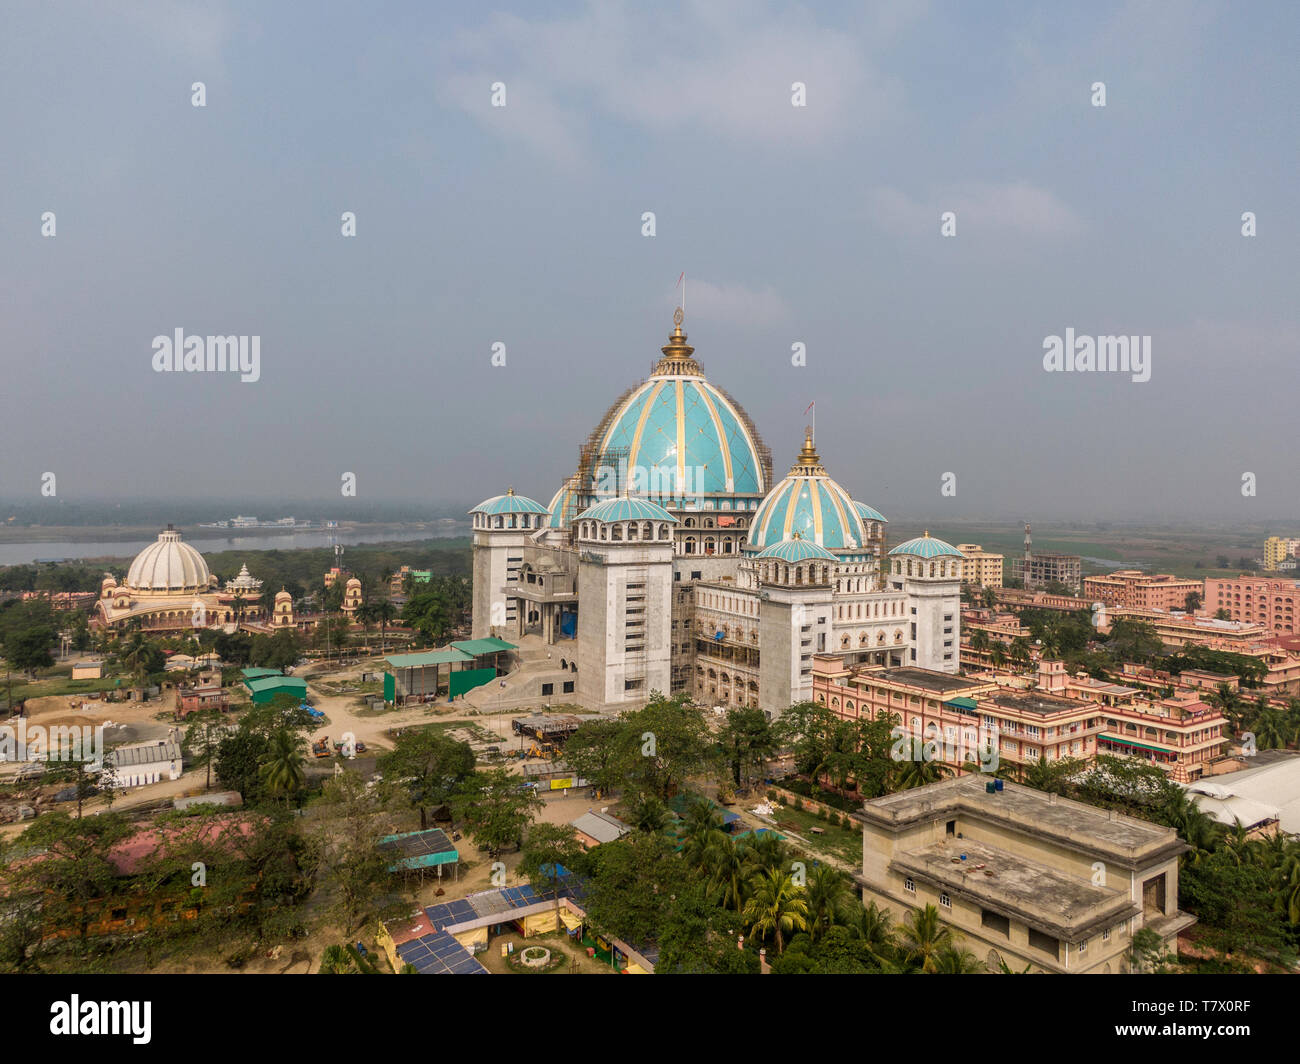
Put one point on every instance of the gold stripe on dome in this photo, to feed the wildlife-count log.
(724, 443)
(634, 451)
(845, 524)
(790, 509)
(814, 490)
(681, 438)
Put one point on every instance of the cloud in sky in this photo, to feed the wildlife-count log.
(735, 305)
(1018, 208)
(721, 69)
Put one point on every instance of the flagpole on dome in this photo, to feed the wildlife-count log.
(813, 407)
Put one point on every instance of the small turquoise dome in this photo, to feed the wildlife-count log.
(797, 549)
(927, 547)
(627, 510)
(509, 503)
(869, 513)
(810, 503)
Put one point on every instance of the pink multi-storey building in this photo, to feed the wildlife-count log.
(1271, 603)
(1143, 591)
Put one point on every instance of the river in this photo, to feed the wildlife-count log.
(26, 553)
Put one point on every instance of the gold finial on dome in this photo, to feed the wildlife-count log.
(926, 534)
(510, 490)
(809, 461)
(677, 352)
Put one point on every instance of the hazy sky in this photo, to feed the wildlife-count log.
(522, 225)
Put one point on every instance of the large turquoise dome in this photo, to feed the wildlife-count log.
(810, 503)
(679, 437)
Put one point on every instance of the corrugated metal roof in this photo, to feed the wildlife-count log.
(431, 657)
(144, 753)
(490, 645)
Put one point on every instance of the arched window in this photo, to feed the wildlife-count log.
(616, 532)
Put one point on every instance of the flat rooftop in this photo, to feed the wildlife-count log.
(1068, 906)
(1074, 825)
(1043, 705)
(926, 679)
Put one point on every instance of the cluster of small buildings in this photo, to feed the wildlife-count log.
(1280, 552)
(991, 719)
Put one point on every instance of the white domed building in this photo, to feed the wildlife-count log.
(168, 588)
(673, 560)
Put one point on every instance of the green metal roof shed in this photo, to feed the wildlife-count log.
(266, 688)
(479, 647)
(431, 657)
(259, 674)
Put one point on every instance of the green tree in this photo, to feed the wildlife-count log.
(830, 899)
(922, 939)
(747, 743)
(353, 818)
(75, 870)
(548, 849)
(496, 809)
(204, 731)
(29, 649)
(776, 908)
(430, 768)
(673, 742)
(282, 773)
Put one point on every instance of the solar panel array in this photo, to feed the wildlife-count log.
(450, 913)
(439, 954)
(420, 843)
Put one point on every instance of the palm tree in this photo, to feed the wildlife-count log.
(1050, 776)
(699, 828)
(998, 655)
(1270, 728)
(1227, 702)
(282, 771)
(923, 935)
(237, 608)
(953, 960)
(649, 814)
(365, 613)
(918, 770)
(384, 612)
(874, 928)
(776, 907)
(337, 961)
(763, 851)
(1197, 828)
(1289, 874)
(1238, 845)
(727, 872)
(1293, 720)
(979, 640)
(829, 899)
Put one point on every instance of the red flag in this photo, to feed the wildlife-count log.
(811, 405)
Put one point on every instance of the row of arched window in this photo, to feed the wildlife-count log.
(949, 568)
(624, 531)
(507, 521)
